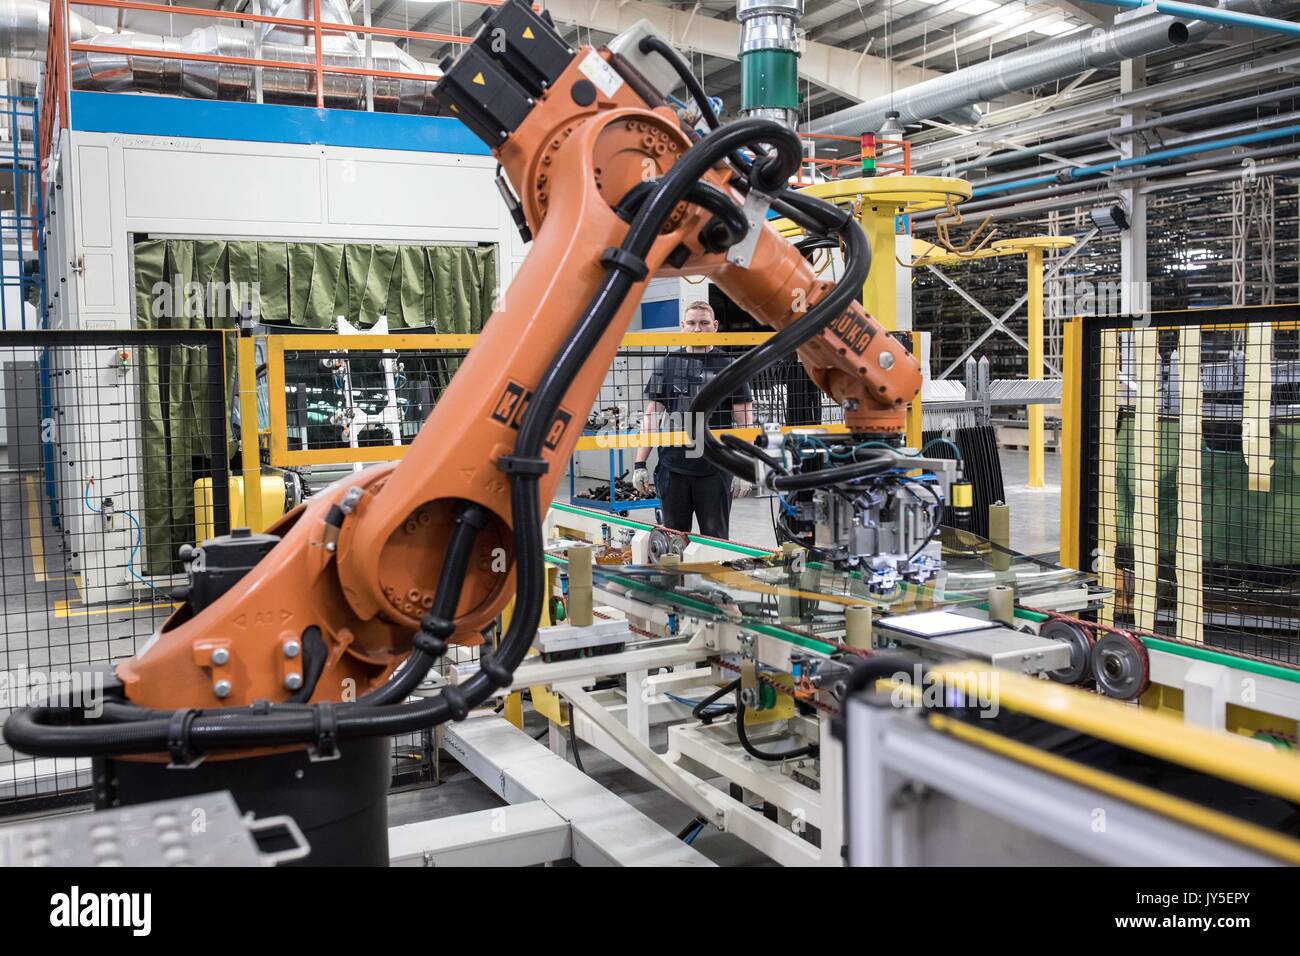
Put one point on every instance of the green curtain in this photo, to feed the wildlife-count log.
(1239, 526)
(202, 283)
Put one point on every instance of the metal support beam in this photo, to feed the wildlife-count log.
(1134, 297)
(521, 834)
(999, 324)
(1034, 277)
(692, 792)
(606, 830)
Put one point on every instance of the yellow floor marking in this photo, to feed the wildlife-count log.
(34, 536)
(36, 539)
(64, 609)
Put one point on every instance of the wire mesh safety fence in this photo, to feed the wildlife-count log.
(115, 449)
(1190, 495)
(333, 402)
(330, 403)
(783, 393)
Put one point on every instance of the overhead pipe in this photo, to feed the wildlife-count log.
(1081, 171)
(1231, 18)
(1038, 64)
(1279, 64)
(1269, 169)
(1042, 63)
(1021, 210)
(1067, 188)
(1057, 169)
(1102, 135)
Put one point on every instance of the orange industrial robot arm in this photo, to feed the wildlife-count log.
(431, 549)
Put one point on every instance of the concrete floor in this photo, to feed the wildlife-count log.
(42, 624)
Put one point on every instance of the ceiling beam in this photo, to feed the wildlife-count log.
(860, 17)
(992, 36)
(1093, 16)
(851, 74)
(921, 17)
(944, 34)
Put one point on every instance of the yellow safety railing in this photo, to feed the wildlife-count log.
(280, 455)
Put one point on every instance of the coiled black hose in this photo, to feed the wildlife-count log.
(812, 214)
(470, 520)
(808, 750)
(878, 463)
(698, 711)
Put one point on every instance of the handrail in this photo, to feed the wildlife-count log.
(57, 84)
(829, 166)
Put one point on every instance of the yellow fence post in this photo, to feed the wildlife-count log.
(250, 454)
(1034, 275)
(1071, 441)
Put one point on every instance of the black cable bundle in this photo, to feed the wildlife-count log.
(981, 466)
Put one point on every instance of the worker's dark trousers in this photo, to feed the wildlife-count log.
(705, 497)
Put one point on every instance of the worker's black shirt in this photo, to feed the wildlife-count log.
(677, 379)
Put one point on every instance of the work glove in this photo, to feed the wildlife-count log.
(740, 488)
(641, 479)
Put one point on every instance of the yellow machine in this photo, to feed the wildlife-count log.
(280, 492)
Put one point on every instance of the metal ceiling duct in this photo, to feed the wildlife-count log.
(126, 72)
(25, 29)
(1041, 63)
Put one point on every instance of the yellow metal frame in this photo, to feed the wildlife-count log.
(1071, 442)
(250, 452)
(282, 456)
(1072, 459)
(1224, 756)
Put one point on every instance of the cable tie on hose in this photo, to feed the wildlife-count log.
(842, 216)
(624, 261)
(455, 699)
(325, 727)
(179, 747)
(475, 517)
(433, 634)
(518, 465)
(767, 174)
(497, 672)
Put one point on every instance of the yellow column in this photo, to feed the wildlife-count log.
(250, 453)
(1071, 437)
(914, 428)
(880, 293)
(1034, 269)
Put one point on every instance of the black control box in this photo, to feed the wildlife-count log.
(215, 566)
(494, 84)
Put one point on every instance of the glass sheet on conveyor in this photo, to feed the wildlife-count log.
(800, 598)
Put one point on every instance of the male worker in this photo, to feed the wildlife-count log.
(688, 485)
